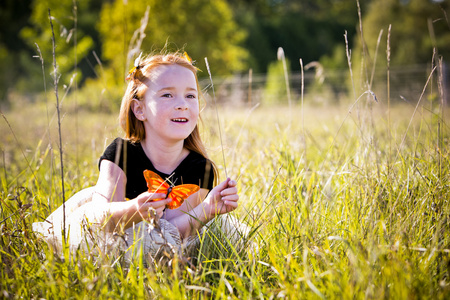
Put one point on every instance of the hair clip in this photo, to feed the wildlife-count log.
(135, 72)
(188, 58)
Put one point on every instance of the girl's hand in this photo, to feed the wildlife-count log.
(222, 199)
(145, 201)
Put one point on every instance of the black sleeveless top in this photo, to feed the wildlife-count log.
(131, 158)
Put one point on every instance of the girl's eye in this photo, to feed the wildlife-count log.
(191, 96)
(167, 95)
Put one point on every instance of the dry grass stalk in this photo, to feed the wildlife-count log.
(281, 56)
(302, 98)
(250, 81)
(348, 53)
(388, 54)
(55, 83)
(138, 36)
(217, 115)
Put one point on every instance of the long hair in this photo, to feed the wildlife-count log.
(136, 89)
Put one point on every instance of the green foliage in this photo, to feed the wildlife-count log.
(234, 35)
(417, 27)
(6, 64)
(73, 44)
(305, 29)
(275, 90)
(96, 96)
(331, 67)
(203, 28)
(14, 15)
(336, 60)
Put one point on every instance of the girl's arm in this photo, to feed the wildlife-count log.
(108, 205)
(222, 199)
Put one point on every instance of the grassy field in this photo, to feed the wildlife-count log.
(347, 205)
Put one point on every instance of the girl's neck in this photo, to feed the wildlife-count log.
(164, 157)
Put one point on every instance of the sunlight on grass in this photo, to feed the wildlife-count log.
(333, 213)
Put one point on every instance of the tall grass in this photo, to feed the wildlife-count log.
(331, 222)
(332, 212)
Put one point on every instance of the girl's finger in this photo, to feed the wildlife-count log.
(233, 197)
(232, 183)
(232, 204)
(229, 191)
(159, 203)
(222, 185)
(144, 197)
(155, 196)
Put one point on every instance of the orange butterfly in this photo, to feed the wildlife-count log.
(177, 193)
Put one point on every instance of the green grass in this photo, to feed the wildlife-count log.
(339, 207)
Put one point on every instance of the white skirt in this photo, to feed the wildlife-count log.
(89, 236)
(155, 242)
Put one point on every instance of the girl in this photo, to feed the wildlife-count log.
(159, 115)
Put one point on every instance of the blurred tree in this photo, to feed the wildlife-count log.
(74, 27)
(14, 15)
(233, 34)
(417, 27)
(203, 28)
(305, 29)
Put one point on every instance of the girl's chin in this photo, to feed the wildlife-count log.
(181, 133)
(179, 137)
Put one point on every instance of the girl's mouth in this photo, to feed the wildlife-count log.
(179, 120)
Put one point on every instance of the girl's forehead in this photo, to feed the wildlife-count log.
(170, 72)
(171, 76)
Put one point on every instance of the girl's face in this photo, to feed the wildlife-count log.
(170, 110)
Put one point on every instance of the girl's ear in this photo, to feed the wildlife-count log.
(138, 109)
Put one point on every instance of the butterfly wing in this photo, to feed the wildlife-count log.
(180, 193)
(155, 183)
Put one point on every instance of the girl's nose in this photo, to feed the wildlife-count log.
(181, 104)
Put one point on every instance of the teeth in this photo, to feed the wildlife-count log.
(179, 120)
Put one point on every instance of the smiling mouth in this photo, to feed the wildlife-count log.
(179, 120)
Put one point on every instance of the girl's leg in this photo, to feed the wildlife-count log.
(51, 227)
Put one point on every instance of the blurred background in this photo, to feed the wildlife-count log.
(246, 43)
